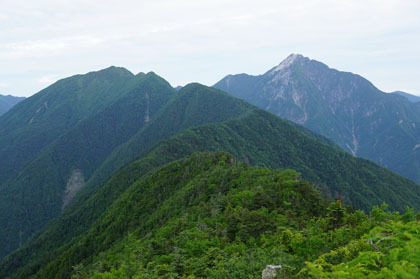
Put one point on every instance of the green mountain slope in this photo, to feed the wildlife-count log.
(50, 181)
(345, 107)
(258, 138)
(262, 139)
(172, 191)
(210, 216)
(227, 220)
(37, 121)
(193, 105)
(7, 102)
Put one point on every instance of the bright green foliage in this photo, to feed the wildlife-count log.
(390, 250)
(210, 216)
(209, 206)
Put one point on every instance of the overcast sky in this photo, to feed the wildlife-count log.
(204, 40)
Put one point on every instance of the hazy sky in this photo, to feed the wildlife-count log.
(185, 41)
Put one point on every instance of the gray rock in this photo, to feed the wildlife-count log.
(270, 271)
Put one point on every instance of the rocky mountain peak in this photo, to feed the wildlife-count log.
(290, 60)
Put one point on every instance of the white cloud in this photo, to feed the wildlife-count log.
(48, 79)
(46, 48)
(203, 40)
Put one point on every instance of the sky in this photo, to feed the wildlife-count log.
(204, 40)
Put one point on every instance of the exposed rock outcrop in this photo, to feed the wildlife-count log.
(270, 271)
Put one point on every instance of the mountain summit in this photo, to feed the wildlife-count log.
(340, 105)
(287, 62)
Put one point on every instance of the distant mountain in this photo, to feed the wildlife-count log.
(345, 107)
(7, 102)
(250, 134)
(410, 97)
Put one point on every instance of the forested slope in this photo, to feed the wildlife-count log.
(45, 184)
(258, 138)
(211, 216)
(39, 120)
(193, 105)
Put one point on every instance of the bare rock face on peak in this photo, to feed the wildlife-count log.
(340, 105)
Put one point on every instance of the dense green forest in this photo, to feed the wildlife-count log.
(211, 216)
(43, 187)
(193, 105)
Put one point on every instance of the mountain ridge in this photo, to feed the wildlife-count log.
(7, 102)
(410, 97)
